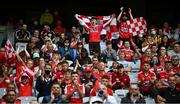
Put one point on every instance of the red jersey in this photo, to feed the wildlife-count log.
(120, 80)
(164, 59)
(59, 74)
(75, 98)
(176, 69)
(128, 54)
(146, 79)
(3, 84)
(94, 33)
(124, 30)
(18, 68)
(158, 69)
(25, 90)
(164, 76)
(99, 76)
(53, 64)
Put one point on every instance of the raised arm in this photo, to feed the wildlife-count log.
(76, 66)
(27, 53)
(104, 25)
(18, 57)
(131, 17)
(135, 47)
(81, 21)
(120, 14)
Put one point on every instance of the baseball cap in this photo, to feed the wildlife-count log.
(36, 55)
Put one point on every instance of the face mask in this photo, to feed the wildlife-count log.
(100, 93)
(47, 72)
(155, 62)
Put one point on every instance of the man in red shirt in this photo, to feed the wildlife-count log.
(104, 81)
(120, 79)
(75, 91)
(129, 53)
(164, 75)
(176, 63)
(146, 79)
(123, 29)
(101, 70)
(94, 31)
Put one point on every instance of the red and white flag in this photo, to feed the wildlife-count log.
(137, 26)
(10, 54)
(108, 30)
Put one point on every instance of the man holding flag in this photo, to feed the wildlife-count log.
(94, 31)
(129, 26)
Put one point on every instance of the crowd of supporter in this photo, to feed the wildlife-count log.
(55, 64)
